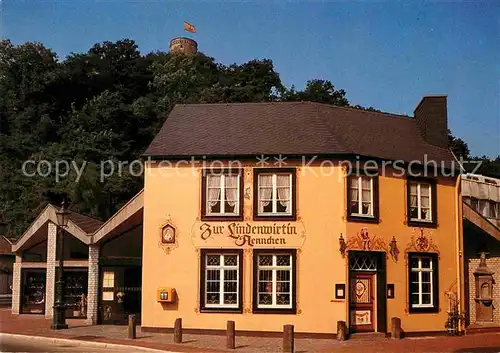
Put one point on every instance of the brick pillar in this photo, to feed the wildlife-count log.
(16, 285)
(51, 270)
(93, 285)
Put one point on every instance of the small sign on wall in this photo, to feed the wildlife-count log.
(108, 296)
(390, 291)
(339, 291)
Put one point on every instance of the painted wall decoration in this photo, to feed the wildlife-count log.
(421, 241)
(363, 241)
(248, 234)
(168, 236)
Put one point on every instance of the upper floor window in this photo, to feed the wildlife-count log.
(493, 209)
(222, 195)
(362, 197)
(421, 202)
(274, 193)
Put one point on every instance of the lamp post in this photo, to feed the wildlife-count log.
(59, 319)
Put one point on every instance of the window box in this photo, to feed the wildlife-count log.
(274, 287)
(274, 194)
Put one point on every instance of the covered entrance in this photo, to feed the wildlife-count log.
(121, 293)
(118, 244)
(367, 293)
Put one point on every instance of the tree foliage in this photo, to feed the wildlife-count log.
(107, 104)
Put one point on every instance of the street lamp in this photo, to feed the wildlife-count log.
(59, 318)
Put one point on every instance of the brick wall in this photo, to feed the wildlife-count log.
(93, 285)
(51, 270)
(493, 264)
(16, 286)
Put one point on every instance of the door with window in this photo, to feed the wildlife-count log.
(361, 302)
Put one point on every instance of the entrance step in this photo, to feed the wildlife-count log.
(367, 336)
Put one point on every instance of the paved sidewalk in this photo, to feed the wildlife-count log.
(38, 326)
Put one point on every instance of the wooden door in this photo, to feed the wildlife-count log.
(361, 302)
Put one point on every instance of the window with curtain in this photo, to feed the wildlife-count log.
(423, 279)
(221, 279)
(420, 198)
(274, 193)
(222, 194)
(275, 277)
(361, 196)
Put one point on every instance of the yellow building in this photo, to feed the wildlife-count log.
(301, 213)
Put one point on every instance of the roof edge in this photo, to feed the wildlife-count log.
(136, 196)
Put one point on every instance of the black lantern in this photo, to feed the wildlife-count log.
(59, 319)
(62, 216)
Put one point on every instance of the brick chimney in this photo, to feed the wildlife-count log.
(432, 120)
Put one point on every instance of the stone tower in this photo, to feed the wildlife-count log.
(183, 45)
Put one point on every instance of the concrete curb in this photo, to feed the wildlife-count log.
(83, 343)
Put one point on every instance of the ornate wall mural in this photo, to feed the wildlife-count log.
(362, 241)
(421, 241)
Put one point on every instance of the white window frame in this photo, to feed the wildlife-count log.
(274, 195)
(419, 202)
(222, 196)
(360, 196)
(274, 268)
(419, 271)
(221, 267)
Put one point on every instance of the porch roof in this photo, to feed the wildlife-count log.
(80, 226)
(478, 220)
(126, 218)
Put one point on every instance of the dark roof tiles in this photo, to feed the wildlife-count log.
(289, 128)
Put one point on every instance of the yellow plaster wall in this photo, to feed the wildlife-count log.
(392, 195)
(175, 194)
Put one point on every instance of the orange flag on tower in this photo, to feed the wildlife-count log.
(189, 27)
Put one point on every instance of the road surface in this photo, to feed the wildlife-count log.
(28, 344)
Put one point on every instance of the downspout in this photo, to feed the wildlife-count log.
(459, 245)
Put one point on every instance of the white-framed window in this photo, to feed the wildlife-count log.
(222, 194)
(274, 194)
(422, 277)
(274, 281)
(420, 201)
(221, 280)
(361, 196)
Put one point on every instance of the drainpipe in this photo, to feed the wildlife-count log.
(459, 244)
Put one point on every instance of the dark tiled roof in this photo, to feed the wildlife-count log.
(290, 128)
(5, 246)
(86, 223)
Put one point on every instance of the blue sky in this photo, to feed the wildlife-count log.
(383, 54)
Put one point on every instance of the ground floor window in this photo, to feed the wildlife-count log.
(33, 291)
(274, 280)
(423, 282)
(75, 292)
(221, 280)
